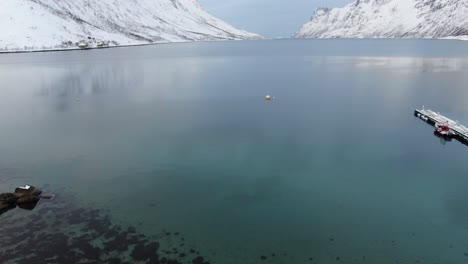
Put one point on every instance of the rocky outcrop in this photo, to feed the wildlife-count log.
(23, 197)
(7, 202)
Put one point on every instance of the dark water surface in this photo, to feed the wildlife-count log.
(175, 151)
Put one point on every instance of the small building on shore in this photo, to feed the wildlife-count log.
(83, 45)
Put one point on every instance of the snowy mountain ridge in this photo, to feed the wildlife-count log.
(36, 24)
(390, 19)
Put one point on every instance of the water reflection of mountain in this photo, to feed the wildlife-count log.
(406, 80)
(73, 83)
(407, 64)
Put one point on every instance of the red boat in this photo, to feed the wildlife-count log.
(443, 129)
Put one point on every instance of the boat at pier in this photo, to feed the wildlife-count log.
(443, 126)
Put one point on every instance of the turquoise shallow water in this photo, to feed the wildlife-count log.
(179, 138)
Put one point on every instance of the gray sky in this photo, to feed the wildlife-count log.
(271, 18)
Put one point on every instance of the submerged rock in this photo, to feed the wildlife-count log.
(8, 198)
(6, 207)
(7, 202)
(27, 199)
(24, 197)
(63, 231)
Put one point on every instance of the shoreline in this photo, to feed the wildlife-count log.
(77, 48)
(207, 41)
(119, 46)
(98, 48)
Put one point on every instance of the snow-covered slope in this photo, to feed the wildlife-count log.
(34, 24)
(390, 19)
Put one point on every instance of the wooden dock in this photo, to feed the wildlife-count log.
(431, 117)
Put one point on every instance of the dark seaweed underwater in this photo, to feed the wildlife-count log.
(59, 231)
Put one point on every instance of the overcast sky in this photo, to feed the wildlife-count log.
(271, 18)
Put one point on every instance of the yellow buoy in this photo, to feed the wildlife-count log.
(268, 97)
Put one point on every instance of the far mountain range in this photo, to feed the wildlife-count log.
(54, 24)
(390, 19)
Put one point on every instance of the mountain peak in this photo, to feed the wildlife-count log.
(389, 19)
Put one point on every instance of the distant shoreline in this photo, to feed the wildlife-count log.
(77, 48)
(98, 48)
(207, 41)
(118, 46)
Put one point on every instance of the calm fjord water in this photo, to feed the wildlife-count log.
(179, 138)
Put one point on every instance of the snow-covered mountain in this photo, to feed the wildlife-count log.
(35, 24)
(390, 19)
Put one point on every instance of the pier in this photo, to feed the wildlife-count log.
(432, 118)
